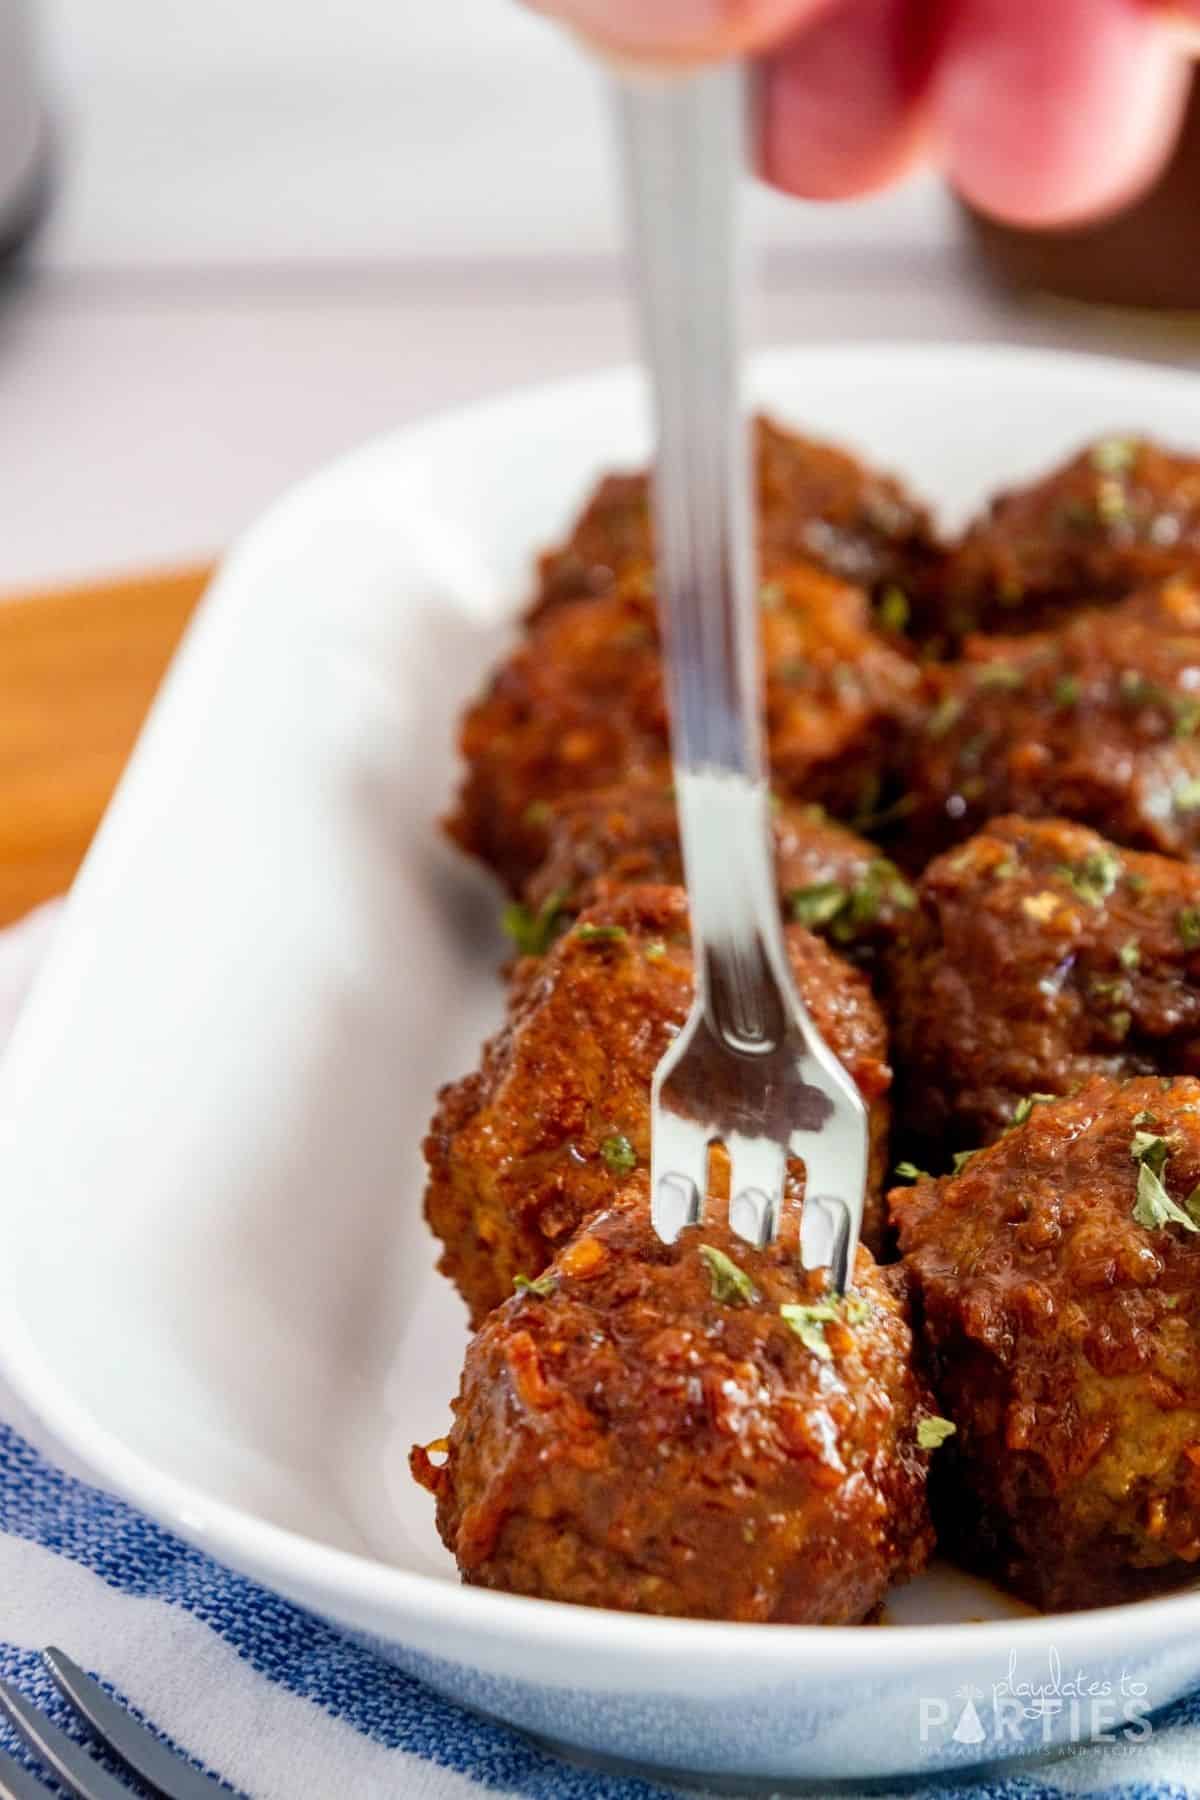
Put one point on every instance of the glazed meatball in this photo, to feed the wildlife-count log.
(1098, 722)
(605, 841)
(556, 1121)
(1057, 1280)
(693, 1429)
(1121, 515)
(1039, 955)
(814, 503)
(579, 705)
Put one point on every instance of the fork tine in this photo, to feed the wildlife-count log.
(678, 1174)
(60, 1753)
(138, 1748)
(17, 1783)
(756, 1170)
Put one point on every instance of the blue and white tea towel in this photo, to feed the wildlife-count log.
(275, 1702)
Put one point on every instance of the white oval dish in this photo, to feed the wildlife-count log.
(216, 1285)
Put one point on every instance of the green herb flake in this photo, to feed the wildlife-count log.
(1136, 882)
(932, 1432)
(818, 904)
(1187, 719)
(1187, 924)
(1025, 1106)
(654, 951)
(894, 610)
(601, 934)
(730, 1285)
(1066, 691)
(999, 678)
(1187, 795)
(541, 1289)
(1119, 1023)
(808, 1323)
(538, 812)
(618, 1154)
(1004, 871)
(1191, 1205)
(1130, 954)
(1113, 455)
(1094, 878)
(908, 1171)
(534, 932)
(1154, 1207)
(1112, 503)
(1149, 1149)
(961, 1159)
(1143, 1118)
(944, 716)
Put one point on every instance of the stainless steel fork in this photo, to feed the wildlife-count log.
(163, 1771)
(749, 1070)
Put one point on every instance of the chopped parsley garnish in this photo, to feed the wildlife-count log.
(1130, 954)
(1095, 877)
(809, 1322)
(730, 1285)
(944, 716)
(849, 911)
(999, 677)
(541, 1289)
(534, 932)
(1187, 924)
(818, 904)
(932, 1432)
(538, 812)
(1154, 1207)
(1119, 1023)
(1187, 795)
(600, 934)
(1136, 882)
(894, 610)
(1187, 719)
(1111, 455)
(1025, 1106)
(1066, 691)
(1143, 1117)
(908, 1171)
(1111, 501)
(618, 1154)
(655, 950)
(1148, 1148)
(961, 1159)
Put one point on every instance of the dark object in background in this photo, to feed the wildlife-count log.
(1148, 255)
(25, 153)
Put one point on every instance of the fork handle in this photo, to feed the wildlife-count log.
(684, 138)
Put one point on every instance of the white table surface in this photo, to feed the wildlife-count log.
(280, 228)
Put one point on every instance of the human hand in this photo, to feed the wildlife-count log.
(1041, 111)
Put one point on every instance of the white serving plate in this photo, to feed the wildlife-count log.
(216, 1287)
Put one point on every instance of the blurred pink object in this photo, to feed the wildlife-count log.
(22, 948)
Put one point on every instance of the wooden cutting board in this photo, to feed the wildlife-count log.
(78, 670)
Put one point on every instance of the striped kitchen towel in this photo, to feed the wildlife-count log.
(277, 1703)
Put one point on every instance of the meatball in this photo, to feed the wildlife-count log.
(610, 839)
(694, 1429)
(1121, 515)
(1039, 955)
(557, 1118)
(1057, 1279)
(579, 705)
(1098, 721)
(815, 504)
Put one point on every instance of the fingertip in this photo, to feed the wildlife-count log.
(1052, 124)
(843, 103)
